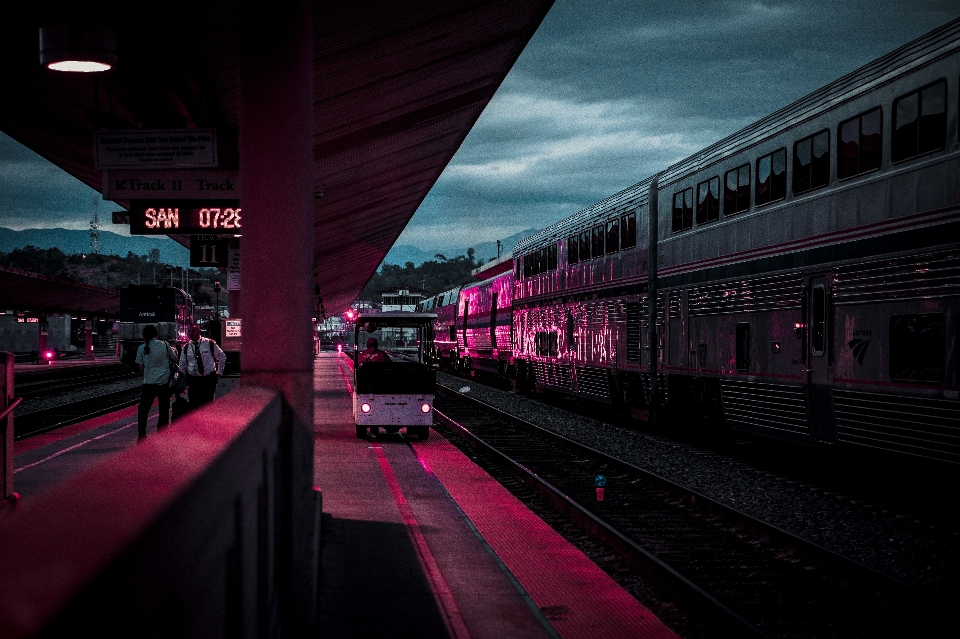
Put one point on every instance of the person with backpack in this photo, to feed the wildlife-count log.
(202, 360)
(154, 358)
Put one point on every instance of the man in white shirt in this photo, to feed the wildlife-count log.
(202, 360)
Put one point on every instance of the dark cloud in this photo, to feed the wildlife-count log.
(36, 194)
(608, 93)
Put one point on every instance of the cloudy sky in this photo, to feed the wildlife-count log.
(607, 93)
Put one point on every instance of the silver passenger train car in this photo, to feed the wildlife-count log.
(800, 278)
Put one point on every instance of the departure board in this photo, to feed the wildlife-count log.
(199, 217)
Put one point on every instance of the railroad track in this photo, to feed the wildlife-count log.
(745, 578)
(47, 419)
(42, 383)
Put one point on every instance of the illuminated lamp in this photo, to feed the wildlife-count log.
(49, 356)
(365, 407)
(78, 48)
(425, 408)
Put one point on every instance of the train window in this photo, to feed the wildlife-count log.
(597, 241)
(772, 177)
(811, 162)
(919, 122)
(585, 246)
(743, 346)
(552, 257)
(628, 231)
(453, 332)
(736, 193)
(860, 144)
(613, 236)
(573, 249)
(708, 201)
(682, 210)
(527, 265)
(917, 348)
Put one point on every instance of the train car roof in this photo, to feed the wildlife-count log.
(396, 318)
(936, 44)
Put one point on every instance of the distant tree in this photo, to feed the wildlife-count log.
(430, 278)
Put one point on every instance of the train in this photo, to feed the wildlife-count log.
(799, 279)
(168, 308)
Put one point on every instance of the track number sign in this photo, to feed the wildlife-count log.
(209, 250)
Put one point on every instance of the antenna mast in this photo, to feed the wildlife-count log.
(95, 228)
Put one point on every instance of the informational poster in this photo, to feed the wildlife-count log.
(164, 147)
(232, 328)
(233, 269)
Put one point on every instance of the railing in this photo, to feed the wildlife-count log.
(209, 529)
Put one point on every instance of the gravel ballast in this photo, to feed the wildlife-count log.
(925, 556)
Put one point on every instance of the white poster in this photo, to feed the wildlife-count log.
(233, 270)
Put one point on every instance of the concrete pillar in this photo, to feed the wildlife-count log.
(8, 498)
(42, 334)
(276, 169)
(88, 337)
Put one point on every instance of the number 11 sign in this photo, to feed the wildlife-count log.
(209, 251)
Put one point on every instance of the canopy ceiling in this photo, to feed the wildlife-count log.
(397, 86)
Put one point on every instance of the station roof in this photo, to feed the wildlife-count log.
(397, 87)
(32, 292)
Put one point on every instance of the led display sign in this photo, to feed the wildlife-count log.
(196, 217)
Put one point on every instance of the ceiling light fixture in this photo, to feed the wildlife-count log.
(78, 48)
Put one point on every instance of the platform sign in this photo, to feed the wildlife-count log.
(232, 328)
(151, 148)
(189, 217)
(209, 251)
(233, 270)
(171, 184)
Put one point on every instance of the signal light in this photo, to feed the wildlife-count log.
(425, 408)
(365, 407)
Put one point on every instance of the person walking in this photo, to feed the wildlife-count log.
(202, 360)
(154, 358)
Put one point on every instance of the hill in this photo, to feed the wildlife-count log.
(71, 242)
(401, 254)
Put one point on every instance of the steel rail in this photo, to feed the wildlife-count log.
(723, 617)
(925, 604)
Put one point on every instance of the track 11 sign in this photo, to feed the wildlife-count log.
(194, 217)
(208, 251)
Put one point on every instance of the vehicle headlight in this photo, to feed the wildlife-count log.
(425, 408)
(365, 407)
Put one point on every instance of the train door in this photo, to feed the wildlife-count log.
(493, 322)
(818, 346)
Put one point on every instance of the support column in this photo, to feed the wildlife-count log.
(8, 498)
(276, 168)
(88, 339)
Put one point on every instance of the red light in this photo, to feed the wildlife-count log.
(48, 354)
(425, 408)
(365, 407)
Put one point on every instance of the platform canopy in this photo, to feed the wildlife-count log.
(23, 291)
(397, 87)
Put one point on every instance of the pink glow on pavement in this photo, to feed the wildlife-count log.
(450, 611)
(586, 602)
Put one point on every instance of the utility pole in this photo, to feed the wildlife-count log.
(95, 228)
(498, 249)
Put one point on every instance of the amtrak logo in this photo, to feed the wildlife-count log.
(859, 348)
